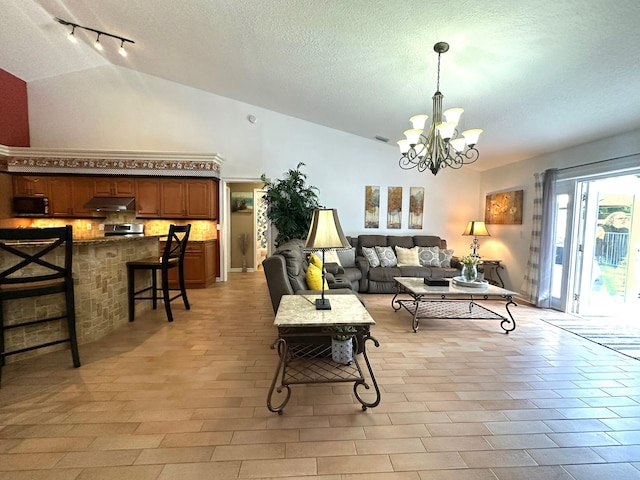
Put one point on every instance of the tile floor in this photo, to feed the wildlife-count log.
(460, 400)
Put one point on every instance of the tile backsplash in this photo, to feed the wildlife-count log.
(87, 228)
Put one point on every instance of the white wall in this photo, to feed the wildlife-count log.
(511, 242)
(116, 108)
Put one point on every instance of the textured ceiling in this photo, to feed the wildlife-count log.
(536, 76)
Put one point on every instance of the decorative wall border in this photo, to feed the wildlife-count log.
(101, 162)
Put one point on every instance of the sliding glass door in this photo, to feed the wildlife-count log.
(597, 238)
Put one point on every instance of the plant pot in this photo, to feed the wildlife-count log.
(342, 350)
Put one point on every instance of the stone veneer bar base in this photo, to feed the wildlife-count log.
(100, 283)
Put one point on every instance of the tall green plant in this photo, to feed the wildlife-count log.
(290, 204)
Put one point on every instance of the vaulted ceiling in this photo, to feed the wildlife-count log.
(536, 76)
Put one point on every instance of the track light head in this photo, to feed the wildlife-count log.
(98, 45)
(122, 50)
(72, 35)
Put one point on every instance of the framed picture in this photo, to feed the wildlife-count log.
(394, 207)
(242, 202)
(416, 207)
(371, 207)
(504, 208)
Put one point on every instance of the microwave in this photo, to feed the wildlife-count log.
(30, 206)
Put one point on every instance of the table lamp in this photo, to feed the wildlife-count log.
(325, 232)
(477, 229)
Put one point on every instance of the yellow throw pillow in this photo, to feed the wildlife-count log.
(314, 278)
(315, 260)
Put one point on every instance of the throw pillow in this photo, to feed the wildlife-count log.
(314, 278)
(315, 260)
(347, 257)
(372, 256)
(387, 256)
(445, 257)
(330, 256)
(429, 256)
(408, 256)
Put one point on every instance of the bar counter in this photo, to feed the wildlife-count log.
(100, 283)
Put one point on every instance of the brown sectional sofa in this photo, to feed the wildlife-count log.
(380, 279)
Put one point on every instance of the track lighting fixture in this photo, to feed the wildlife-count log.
(72, 36)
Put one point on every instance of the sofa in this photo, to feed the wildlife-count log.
(286, 274)
(367, 278)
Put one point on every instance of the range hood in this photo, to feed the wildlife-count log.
(110, 204)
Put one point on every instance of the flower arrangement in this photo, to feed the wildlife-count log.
(469, 260)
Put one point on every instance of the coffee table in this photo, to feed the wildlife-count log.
(451, 301)
(304, 346)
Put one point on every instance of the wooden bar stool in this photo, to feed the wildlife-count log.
(172, 257)
(35, 262)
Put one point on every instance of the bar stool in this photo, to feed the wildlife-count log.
(172, 257)
(35, 262)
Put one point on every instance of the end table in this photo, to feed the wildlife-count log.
(492, 272)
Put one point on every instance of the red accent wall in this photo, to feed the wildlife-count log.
(14, 111)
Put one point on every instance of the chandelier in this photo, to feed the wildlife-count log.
(439, 146)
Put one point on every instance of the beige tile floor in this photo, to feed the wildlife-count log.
(187, 400)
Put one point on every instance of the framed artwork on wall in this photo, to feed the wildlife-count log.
(394, 207)
(504, 208)
(371, 207)
(416, 207)
(242, 202)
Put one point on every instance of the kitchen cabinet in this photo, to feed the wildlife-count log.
(172, 201)
(156, 197)
(148, 197)
(60, 197)
(200, 264)
(177, 198)
(67, 194)
(82, 191)
(114, 187)
(30, 186)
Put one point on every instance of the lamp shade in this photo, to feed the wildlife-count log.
(477, 229)
(325, 230)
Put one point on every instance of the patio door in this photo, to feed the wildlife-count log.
(604, 264)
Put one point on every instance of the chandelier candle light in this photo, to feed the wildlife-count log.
(439, 146)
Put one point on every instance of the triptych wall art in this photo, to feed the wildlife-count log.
(394, 207)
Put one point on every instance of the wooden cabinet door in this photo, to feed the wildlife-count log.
(60, 197)
(148, 197)
(172, 200)
(30, 186)
(124, 187)
(210, 262)
(82, 192)
(103, 187)
(114, 187)
(198, 198)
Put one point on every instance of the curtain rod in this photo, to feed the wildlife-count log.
(598, 162)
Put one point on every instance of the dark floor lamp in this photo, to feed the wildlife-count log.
(325, 232)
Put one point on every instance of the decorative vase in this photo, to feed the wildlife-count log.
(469, 272)
(342, 351)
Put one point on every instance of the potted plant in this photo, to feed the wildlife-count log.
(290, 204)
(342, 343)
